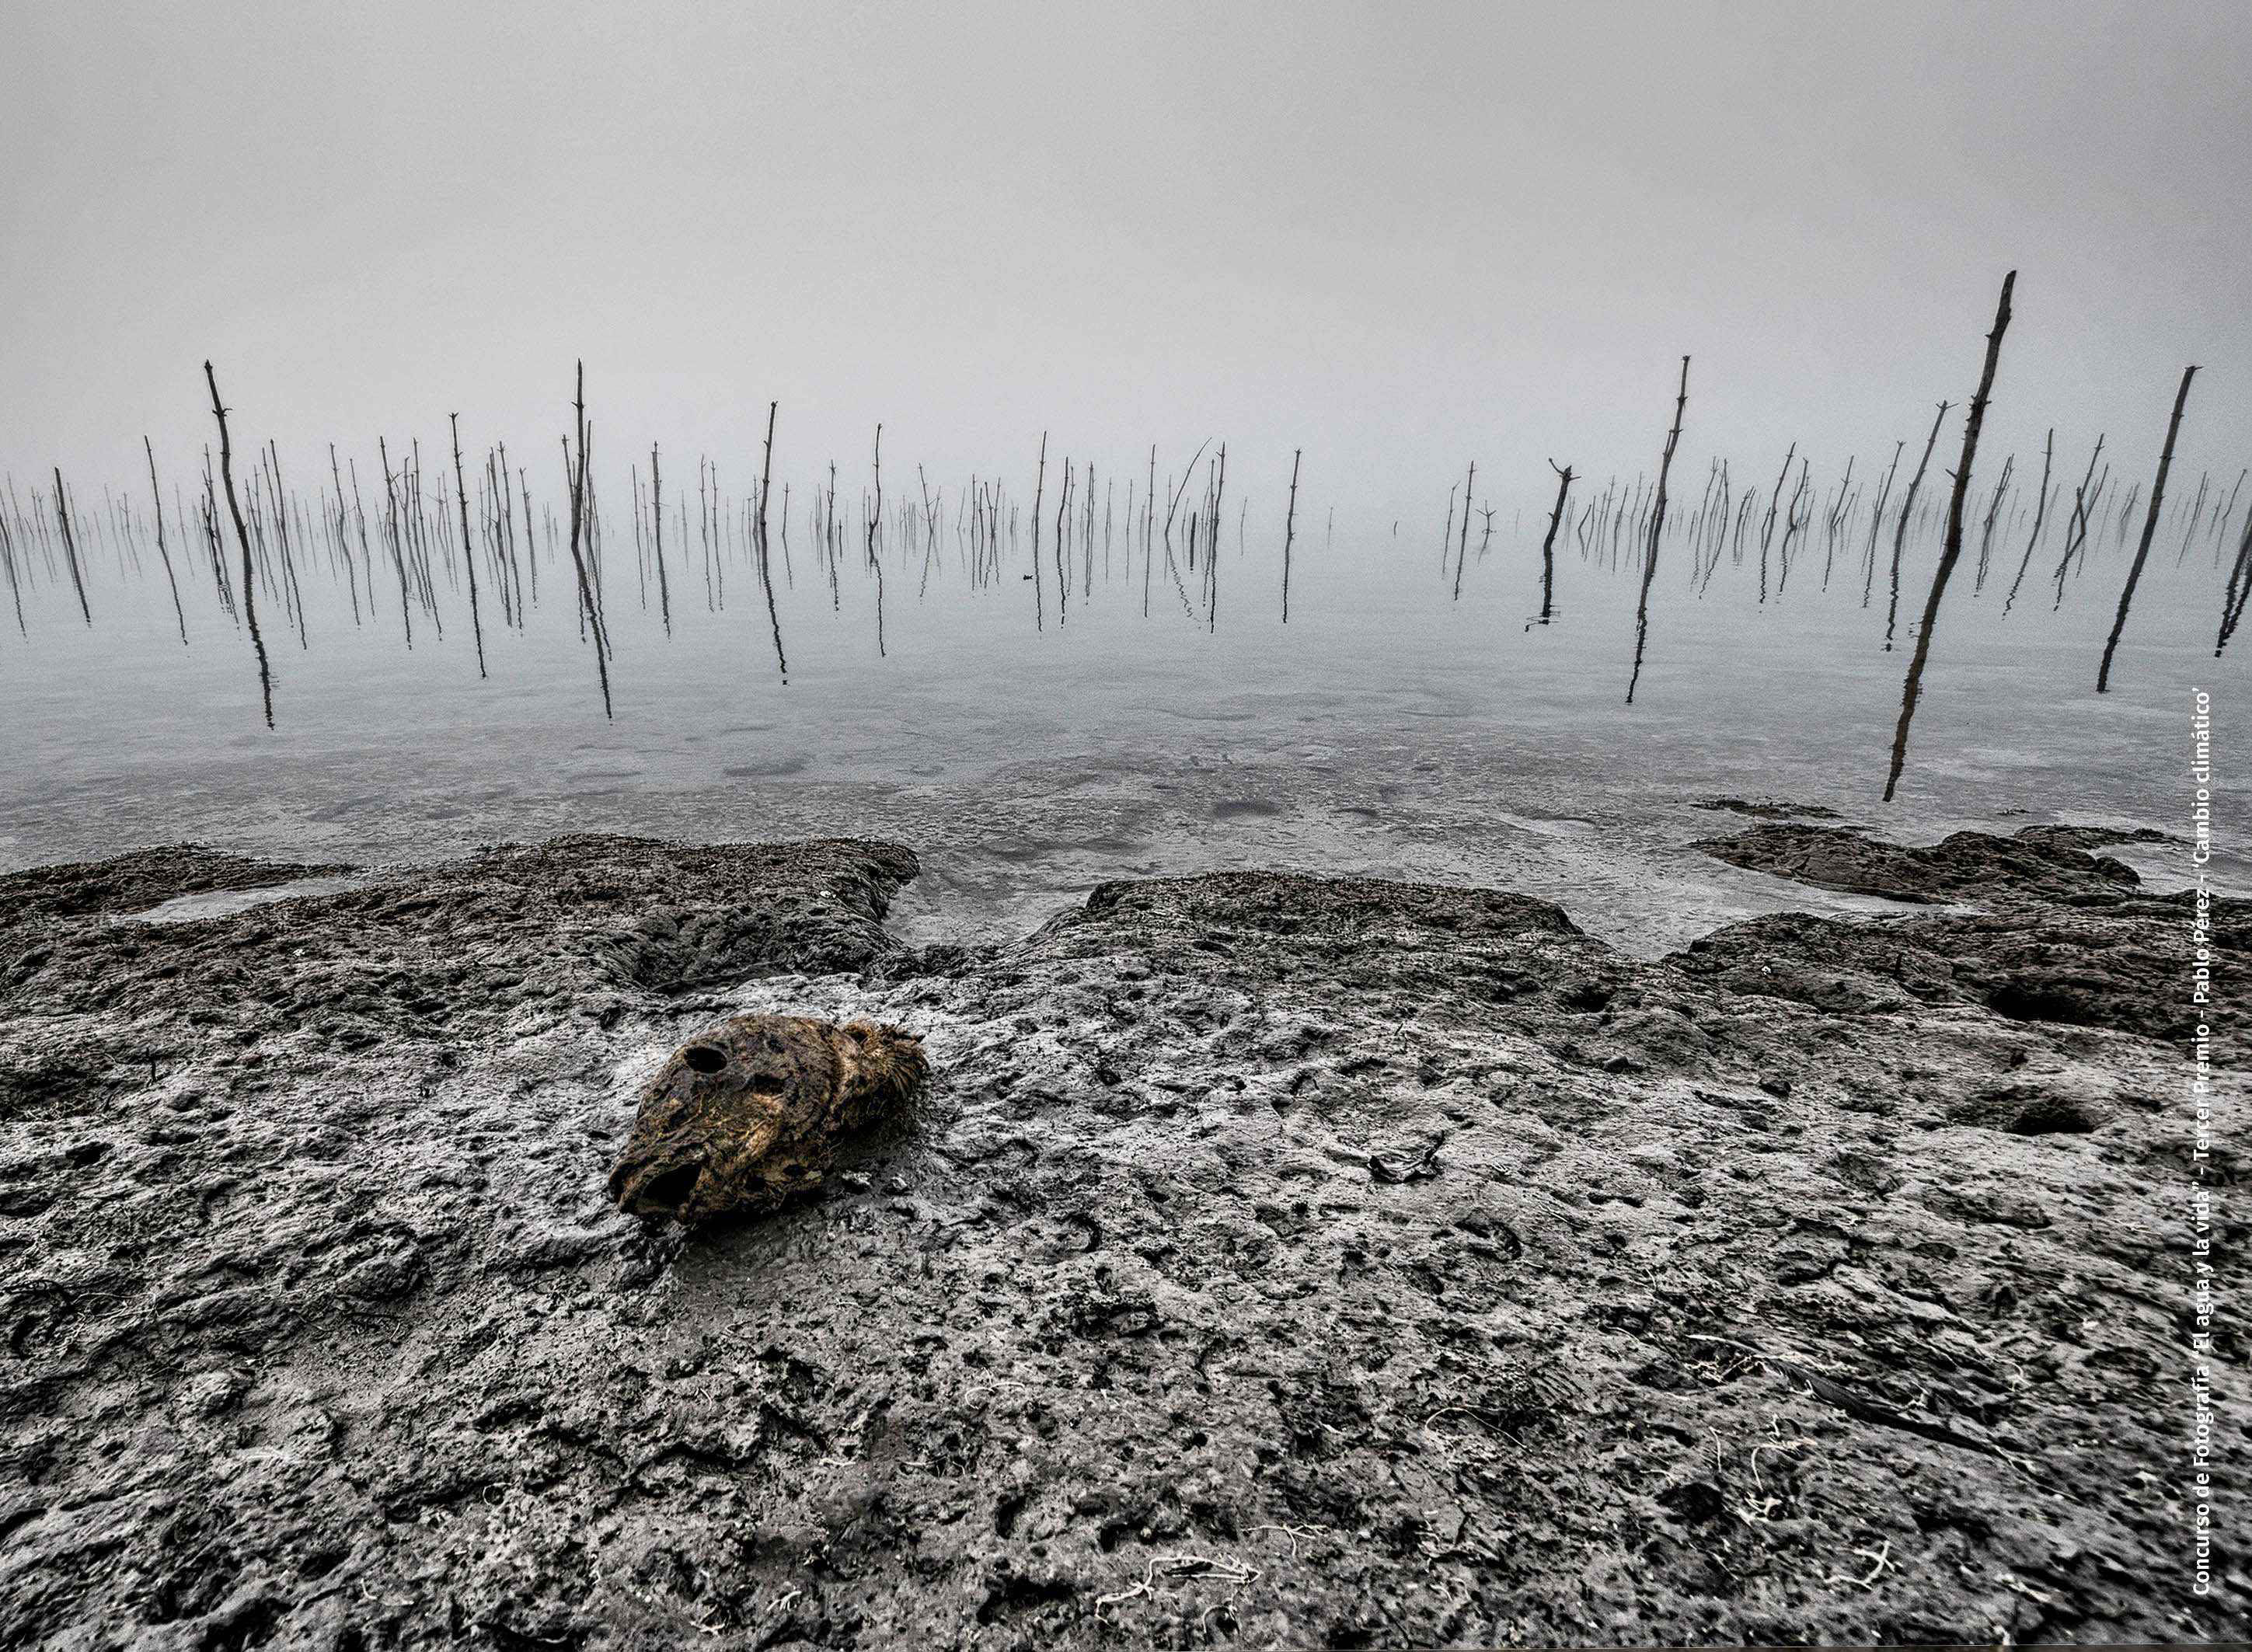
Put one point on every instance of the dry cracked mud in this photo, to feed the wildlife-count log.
(1269, 1261)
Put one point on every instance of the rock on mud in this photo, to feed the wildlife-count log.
(751, 1112)
(2041, 864)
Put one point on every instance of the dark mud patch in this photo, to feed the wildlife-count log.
(2043, 865)
(1769, 809)
(133, 883)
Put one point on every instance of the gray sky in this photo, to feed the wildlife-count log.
(1401, 237)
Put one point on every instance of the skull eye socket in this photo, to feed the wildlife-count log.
(702, 1057)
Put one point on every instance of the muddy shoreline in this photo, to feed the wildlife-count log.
(1271, 1261)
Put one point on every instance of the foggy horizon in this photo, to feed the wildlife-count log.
(1401, 243)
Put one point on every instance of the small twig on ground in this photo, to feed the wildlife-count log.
(1469, 1411)
(1292, 1533)
(1181, 1566)
(1881, 1556)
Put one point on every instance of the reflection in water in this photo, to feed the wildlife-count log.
(1174, 722)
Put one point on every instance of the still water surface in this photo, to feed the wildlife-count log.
(1386, 729)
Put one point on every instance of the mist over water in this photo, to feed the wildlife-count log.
(1387, 729)
(1396, 241)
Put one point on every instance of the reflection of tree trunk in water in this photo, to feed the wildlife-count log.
(2150, 528)
(1656, 527)
(1952, 548)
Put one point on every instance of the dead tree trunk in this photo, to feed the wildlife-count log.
(343, 537)
(15, 580)
(1830, 526)
(1877, 523)
(766, 573)
(70, 545)
(179, 612)
(392, 537)
(1791, 524)
(1767, 528)
(1039, 481)
(2041, 511)
(1149, 520)
(1907, 509)
(590, 611)
(656, 511)
(1549, 547)
(1211, 567)
(295, 597)
(1463, 554)
(1952, 548)
(469, 550)
(1063, 575)
(515, 567)
(1289, 527)
(875, 549)
(1656, 527)
(1993, 511)
(2150, 530)
(2076, 532)
(242, 538)
(531, 543)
